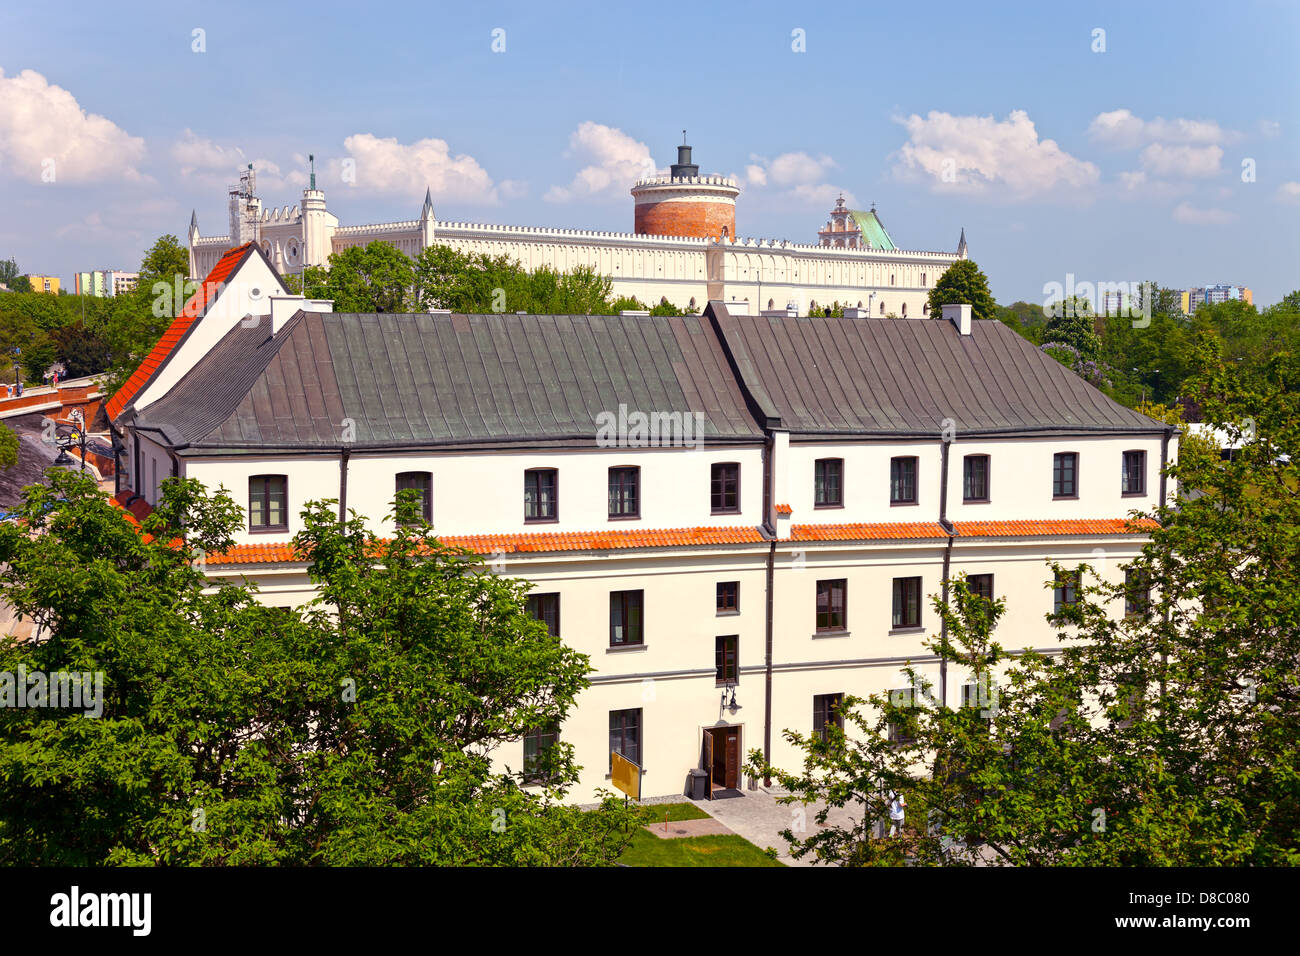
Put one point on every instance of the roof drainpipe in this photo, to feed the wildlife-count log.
(944, 448)
(769, 524)
(344, 453)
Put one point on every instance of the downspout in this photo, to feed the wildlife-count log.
(769, 525)
(944, 445)
(344, 453)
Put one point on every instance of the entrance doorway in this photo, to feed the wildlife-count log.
(722, 758)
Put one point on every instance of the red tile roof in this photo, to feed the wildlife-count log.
(192, 311)
(866, 532)
(784, 510)
(1057, 527)
(136, 511)
(280, 552)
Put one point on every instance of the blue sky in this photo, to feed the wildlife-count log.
(1114, 165)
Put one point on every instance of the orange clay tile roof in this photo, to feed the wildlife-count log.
(136, 511)
(193, 311)
(784, 509)
(280, 552)
(865, 532)
(1066, 526)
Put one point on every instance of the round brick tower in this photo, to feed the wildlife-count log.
(684, 203)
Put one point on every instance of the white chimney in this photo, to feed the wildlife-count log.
(958, 315)
(285, 307)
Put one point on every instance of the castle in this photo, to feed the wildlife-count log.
(683, 247)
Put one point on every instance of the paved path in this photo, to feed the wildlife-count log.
(756, 816)
(689, 828)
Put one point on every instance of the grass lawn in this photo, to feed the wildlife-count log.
(647, 849)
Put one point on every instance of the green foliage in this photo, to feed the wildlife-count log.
(1158, 738)
(20, 284)
(1073, 326)
(354, 731)
(9, 445)
(8, 272)
(963, 282)
(376, 277)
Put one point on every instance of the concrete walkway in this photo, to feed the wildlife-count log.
(756, 816)
(688, 828)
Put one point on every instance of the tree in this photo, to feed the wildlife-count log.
(1163, 734)
(963, 282)
(20, 284)
(9, 445)
(377, 277)
(8, 272)
(1073, 326)
(355, 731)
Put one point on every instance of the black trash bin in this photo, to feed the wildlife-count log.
(697, 784)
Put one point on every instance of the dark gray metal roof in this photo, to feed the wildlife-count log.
(437, 379)
(903, 377)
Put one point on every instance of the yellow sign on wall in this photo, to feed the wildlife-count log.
(626, 775)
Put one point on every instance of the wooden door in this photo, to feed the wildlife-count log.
(733, 758)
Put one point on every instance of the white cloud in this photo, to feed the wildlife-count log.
(1289, 193)
(211, 163)
(1185, 162)
(1133, 181)
(978, 154)
(1121, 129)
(375, 165)
(796, 176)
(1270, 129)
(42, 124)
(615, 162)
(1202, 216)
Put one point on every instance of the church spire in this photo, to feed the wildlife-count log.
(961, 244)
(194, 222)
(427, 211)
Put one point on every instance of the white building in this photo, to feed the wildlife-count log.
(842, 471)
(684, 248)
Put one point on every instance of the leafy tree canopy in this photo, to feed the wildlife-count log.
(357, 730)
(963, 282)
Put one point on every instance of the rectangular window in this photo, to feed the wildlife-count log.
(625, 734)
(626, 620)
(1137, 593)
(975, 478)
(1065, 475)
(728, 597)
(907, 602)
(826, 713)
(831, 601)
(1134, 478)
(546, 608)
(624, 492)
(724, 488)
(421, 481)
(828, 482)
(1066, 593)
(537, 741)
(902, 481)
(541, 494)
(727, 659)
(899, 730)
(981, 584)
(268, 503)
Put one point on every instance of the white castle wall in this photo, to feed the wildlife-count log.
(688, 271)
